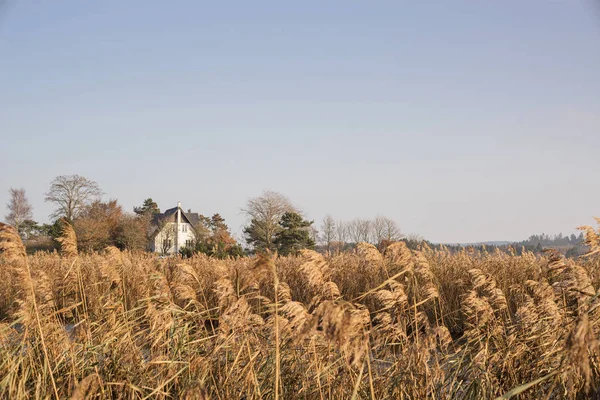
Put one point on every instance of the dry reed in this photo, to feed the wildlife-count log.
(405, 324)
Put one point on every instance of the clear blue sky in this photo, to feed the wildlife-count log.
(462, 120)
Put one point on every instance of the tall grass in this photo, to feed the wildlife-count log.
(404, 324)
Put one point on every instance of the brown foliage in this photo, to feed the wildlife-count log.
(97, 226)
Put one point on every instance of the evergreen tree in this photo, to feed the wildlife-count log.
(29, 229)
(539, 248)
(148, 208)
(214, 238)
(573, 238)
(222, 243)
(265, 214)
(218, 226)
(53, 230)
(294, 234)
(256, 235)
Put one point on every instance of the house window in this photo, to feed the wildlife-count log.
(188, 243)
(184, 228)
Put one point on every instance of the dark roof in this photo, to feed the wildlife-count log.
(170, 211)
(192, 218)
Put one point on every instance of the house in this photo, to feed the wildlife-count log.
(173, 230)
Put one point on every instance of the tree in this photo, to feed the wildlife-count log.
(366, 230)
(341, 232)
(221, 242)
(19, 209)
(353, 229)
(539, 248)
(341, 236)
(71, 194)
(220, 231)
(30, 229)
(202, 230)
(265, 213)
(213, 239)
(360, 230)
(328, 232)
(294, 234)
(53, 230)
(98, 225)
(314, 234)
(219, 227)
(103, 224)
(148, 208)
(386, 229)
(413, 241)
(573, 238)
(166, 234)
(132, 232)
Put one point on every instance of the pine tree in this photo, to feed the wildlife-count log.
(148, 208)
(265, 214)
(294, 234)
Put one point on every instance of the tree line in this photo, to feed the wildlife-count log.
(274, 224)
(277, 225)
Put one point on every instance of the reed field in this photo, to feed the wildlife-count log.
(402, 324)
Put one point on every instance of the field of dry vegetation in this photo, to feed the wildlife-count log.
(402, 325)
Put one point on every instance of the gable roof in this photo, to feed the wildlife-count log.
(189, 217)
(193, 218)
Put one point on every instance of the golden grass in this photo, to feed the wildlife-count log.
(68, 240)
(402, 325)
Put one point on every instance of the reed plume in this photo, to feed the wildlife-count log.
(67, 240)
(592, 238)
(11, 246)
(429, 323)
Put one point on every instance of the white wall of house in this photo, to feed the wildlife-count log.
(175, 235)
(186, 236)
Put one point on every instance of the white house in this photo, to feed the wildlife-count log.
(173, 230)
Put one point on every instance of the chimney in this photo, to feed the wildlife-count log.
(177, 223)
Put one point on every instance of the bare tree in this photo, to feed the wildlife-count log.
(341, 236)
(413, 240)
(392, 230)
(167, 232)
(341, 231)
(359, 230)
(314, 233)
(414, 237)
(354, 230)
(365, 228)
(70, 194)
(378, 228)
(201, 230)
(265, 212)
(385, 228)
(19, 209)
(328, 232)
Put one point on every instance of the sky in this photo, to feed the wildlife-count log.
(464, 121)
